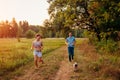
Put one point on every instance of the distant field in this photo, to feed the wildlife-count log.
(14, 54)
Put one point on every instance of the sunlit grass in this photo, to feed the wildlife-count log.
(14, 54)
(94, 66)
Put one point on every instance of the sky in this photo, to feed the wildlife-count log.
(33, 11)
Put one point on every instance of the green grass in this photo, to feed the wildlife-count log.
(94, 66)
(91, 65)
(45, 72)
(14, 54)
(49, 69)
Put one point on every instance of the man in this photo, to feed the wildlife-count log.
(70, 42)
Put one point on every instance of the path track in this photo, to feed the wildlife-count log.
(63, 73)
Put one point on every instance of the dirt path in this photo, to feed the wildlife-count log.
(56, 67)
(65, 69)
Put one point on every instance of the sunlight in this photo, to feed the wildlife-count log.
(34, 11)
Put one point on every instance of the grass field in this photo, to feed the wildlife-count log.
(51, 46)
(14, 54)
(91, 64)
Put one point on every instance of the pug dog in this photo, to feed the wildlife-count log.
(75, 66)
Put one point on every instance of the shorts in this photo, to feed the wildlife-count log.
(37, 53)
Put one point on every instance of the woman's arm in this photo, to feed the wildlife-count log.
(41, 45)
(32, 46)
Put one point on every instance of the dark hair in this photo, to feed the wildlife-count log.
(70, 32)
(37, 35)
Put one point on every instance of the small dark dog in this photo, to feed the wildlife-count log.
(75, 66)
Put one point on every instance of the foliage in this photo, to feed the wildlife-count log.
(16, 30)
(30, 34)
(18, 53)
(95, 66)
(100, 17)
(24, 25)
(8, 29)
(104, 18)
(64, 14)
(107, 46)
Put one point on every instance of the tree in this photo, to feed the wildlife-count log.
(30, 34)
(5, 29)
(100, 17)
(50, 29)
(35, 28)
(14, 28)
(25, 26)
(43, 32)
(67, 14)
(19, 33)
(105, 18)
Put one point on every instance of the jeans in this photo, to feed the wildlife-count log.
(71, 53)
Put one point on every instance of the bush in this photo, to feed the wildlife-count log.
(30, 34)
(108, 46)
(95, 66)
(112, 72)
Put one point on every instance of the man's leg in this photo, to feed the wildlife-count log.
(69, 52)
(72, 52)
(69, 58)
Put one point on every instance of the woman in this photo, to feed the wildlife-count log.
(37, 45)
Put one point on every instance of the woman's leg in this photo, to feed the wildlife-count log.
(40, 60)
(35, 60)
(40, 57)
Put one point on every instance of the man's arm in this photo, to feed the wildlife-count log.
(66, 42)
(74, 42)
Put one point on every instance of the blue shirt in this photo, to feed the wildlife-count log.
(70, 41)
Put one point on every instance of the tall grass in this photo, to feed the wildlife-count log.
(108, 46)
(14, 54)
